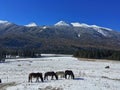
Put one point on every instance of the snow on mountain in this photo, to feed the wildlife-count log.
(96, 27)
(4, 22)
(62, 23)
(31, 25)
(76, 24)
(101, 30)
(79, 35)
(44, 27)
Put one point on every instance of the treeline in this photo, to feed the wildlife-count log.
(94, 53)
(25, 53)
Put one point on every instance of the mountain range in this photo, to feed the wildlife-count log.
(60, 37)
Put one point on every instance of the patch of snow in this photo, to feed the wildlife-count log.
(31, 25)
(4, 22)
(1, 21)
(44, 27)
(62, 23)
(101, 30)
(79, 35)
(77, 24)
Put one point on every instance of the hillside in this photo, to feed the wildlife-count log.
(61, 37)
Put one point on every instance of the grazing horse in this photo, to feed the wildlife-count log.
(61, 74)
(52, 74)
(35, 75)
(70, 73)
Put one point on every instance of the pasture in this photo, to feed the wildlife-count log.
(89, 75)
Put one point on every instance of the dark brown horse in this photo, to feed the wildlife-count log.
(70, 74)
(52, 74)
(35, 75)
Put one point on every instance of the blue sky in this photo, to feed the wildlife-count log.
(104, 13)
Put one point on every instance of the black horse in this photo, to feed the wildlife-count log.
(70, 73)
(52, 74)
(35, 75)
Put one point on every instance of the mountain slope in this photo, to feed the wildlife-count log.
(62, 38)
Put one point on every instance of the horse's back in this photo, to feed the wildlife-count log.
(69, 71)
(60, 72)
(50, 73)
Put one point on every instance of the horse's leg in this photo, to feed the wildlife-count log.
(73, 76)
(52, 77)
(45, 76)
(41, 78)
(31, 79)
(69, 77)
(61, 76)
(65, 76)
(36, 79)
(56, 76)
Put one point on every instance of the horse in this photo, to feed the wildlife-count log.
(70, 73)
(52, 74)
(61, 74)
(35, 75)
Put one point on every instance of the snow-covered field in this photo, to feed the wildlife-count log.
(90, 75)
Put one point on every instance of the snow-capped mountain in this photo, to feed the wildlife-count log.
(61, 36)
(62, 23)
(31, 25)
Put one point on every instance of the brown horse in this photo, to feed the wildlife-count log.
(35, 75)
(52, 74)
(61, 74)
(70, 73)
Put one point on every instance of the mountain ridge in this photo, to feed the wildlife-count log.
(58, 38)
